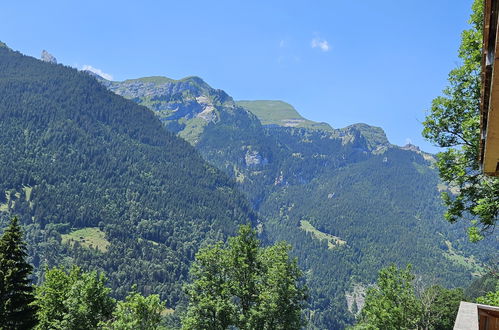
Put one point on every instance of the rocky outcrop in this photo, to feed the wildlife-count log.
(364, 137)
(416, 149)
(185, 106)
(411, 147)
(47, 57)
(356, 298)
(253, 158)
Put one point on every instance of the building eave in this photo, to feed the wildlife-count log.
(489, 112)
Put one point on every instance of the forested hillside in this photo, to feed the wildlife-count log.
(96, 180)
(347, 200)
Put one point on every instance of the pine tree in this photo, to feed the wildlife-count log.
(16, 291)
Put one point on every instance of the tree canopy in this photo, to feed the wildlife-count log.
(245, 286)
(453, 122)
(491, 298)
(392, 304)
(137, 312)
(73, 300)
(396, 302)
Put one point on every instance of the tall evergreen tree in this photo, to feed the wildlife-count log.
(16, 291)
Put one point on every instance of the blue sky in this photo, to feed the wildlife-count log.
(379, 62)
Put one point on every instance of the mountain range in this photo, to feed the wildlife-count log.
(133, 177)
(349, 201)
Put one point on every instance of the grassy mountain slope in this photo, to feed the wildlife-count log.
(98, 181)
(279, 113)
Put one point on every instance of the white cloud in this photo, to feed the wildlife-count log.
(322, 44)
(282, 43)
(97, 71)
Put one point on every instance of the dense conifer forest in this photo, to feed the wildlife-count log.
(97, 181)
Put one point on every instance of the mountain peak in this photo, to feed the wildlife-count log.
(194, 79)
(47, 57)
(375, 137)
(411, 147)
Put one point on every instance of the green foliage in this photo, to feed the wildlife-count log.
(387, 212)
(157, 202)
(16, 292)
(137, 312)
(439, 307)
(454, 123)
(245, 286)
(394, 303)
(482, 285)
(80, 300)
(491, 298)
(73, 300)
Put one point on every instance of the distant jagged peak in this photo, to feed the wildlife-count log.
(280, 113)
(411, 147)
(47, 57)
(414, 148)
(3, 45)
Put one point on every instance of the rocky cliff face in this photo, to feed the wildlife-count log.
(185, 106)
(287, 148)
(188, 105)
